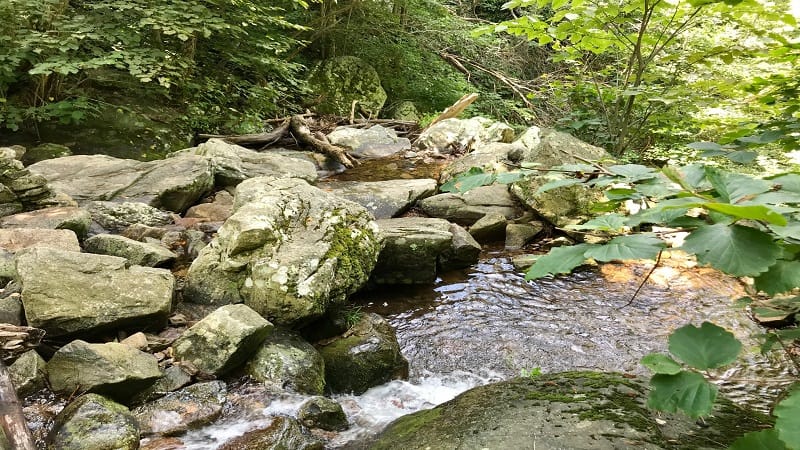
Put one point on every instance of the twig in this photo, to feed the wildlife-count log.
(641, 285)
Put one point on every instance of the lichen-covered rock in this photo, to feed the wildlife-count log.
(384, 199)
(14, 240)
(365, 356)
(137, 253)
(233, 164)
(576, 410)
(415, 246)
(182, 410)
(288, 251)
(457, 135)
(561, 206)
(283, 433)
(116, 217)
(470, 206)
(54, 218)
(92, 421)
(323, 413)
(173, 184)
(28, 373)
(338, 82)
(70, 293)
(286, 360)
(373, 142)
(112, 369)
(223, 340)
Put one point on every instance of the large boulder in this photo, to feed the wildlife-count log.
(373, 142)
(223, 340)
(112, 369)
(575, 410)
(414, 247)
(366, 355)
(55, 218)
(384, 199)
(470, 206)
(338, 82)
(69, 293)
(173, 184)
(289, 362)
(92, 421)
(288, 251)
(14, 240)
(233, 164)
(459, 135)
(179, 411)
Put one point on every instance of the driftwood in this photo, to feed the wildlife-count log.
(456, 109)
(303, 133)
(262, 139)
(15, 340)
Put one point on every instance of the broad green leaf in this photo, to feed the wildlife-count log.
(660, 363)
(633, 172)
(734, 249)
(788, 419)
(754, 212)
(676, 176)
(787, 182)
(791, 231)
(759, 440)
(509, 177)
(467, 181)
(733, 187)
(685, 391)
(773, 198)
(607, 222)
(704, 145)
(622, 194)
(742, 156)
(783, 276)
(707, 347)
(657, 188)
(763, 138)
(633, 246)
(656, 215)
(559, 260)
(557, 184)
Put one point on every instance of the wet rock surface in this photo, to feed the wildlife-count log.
(288, 361)
(179, 411)
(95, 422)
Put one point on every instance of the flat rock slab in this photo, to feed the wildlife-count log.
(54, 218)
(373, 142)
(384, 199)
(14, 240)
(467, 208)
(69, 293)
(173, 184)
(137, 253)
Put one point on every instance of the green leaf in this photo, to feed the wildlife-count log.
(607, 222)
(634, 246)
(656, 215)
(734, 249)
(468, 180)
(509, 177)
(792, 230)
(788, 419)
(787, 182)
(733, 187)
(742, 156)
(685, 391)
(660, 363)
(703, 145)
(783, 276)
(754, 212)
(707, 347)
(759, 440)
(555, 184)
(559, 260)
(633, 172)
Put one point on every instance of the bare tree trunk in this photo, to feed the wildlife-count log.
(12, 419)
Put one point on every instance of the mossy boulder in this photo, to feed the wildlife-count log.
(45, 151)
(576, 410)
(365, 356)
(283, 433)
(288, 361)
(93, 421)
(337, 82)
(323, 413)
(561, 206)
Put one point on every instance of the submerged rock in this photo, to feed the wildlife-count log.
(288, 251)
(384, 199)
(283, 433)
(94, 422)
(56, 298)
(223, 340)
(365, 356)
(179, 411)
(289, 362)
(576, 410)
(323, 413)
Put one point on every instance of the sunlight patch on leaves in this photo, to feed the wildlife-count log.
(788, 422)
(734, 249)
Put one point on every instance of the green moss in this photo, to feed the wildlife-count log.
(407, 426)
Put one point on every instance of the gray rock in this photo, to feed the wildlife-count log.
(323, 413)
(116, 217)
(412, 246)
(468, 207)
(217, 211)
(173, 184)
(384, 199)
(45, 151)
(233, 164)
(365, 356)
(179, 411)
(94, 422)
(173, 378)
(137, 253)
(112, 369)
(463, 252)
(288, 251)
(524, 262)
(28, 373)
(12, 152)
(54, 218)
(553, 148)
(283, 433)
(491, 227)
(575, 410)
(456, 135)
(373, 142)
(339, 81)
(56, 297)
(491, 158)
(223, 340)
(22, 190)
(560, 206)
(11, 310)
(520, 234)
(289, 362)
(14, 240)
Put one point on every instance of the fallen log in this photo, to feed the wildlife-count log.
(303, 133)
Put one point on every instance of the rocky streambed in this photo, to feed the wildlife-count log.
(221, 297)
